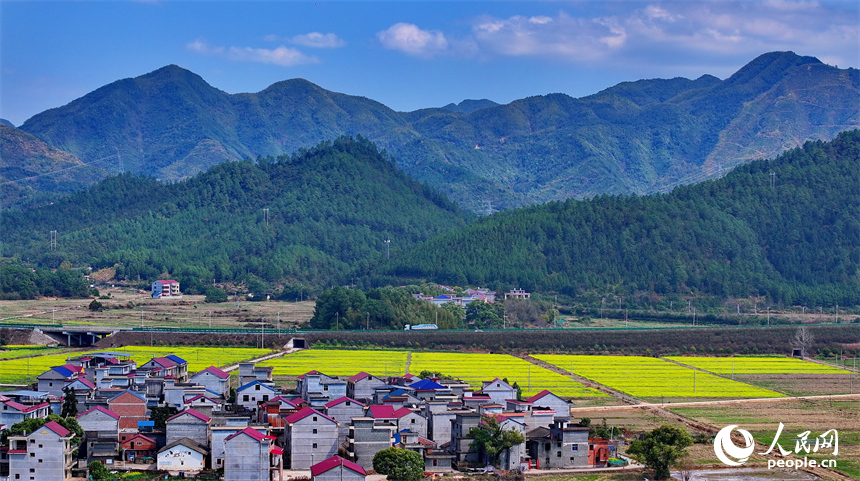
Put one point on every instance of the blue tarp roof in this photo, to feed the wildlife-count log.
(426, 384)
(62, 370)
(176, 359)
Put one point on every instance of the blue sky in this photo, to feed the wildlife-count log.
(407, 55)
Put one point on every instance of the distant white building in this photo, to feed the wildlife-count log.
(164, 289)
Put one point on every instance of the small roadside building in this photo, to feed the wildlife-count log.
(139, 449)
(183, 457)
(163, 289)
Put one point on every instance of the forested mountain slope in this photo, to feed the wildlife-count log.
(786, 228)
(320, 216)
(636, 137)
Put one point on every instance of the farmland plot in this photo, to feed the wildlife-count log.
(648, 377)
(474, 368)
(21, 371)
(341, 362)
(756, 365)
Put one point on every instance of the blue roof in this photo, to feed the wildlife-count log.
(443, 297)
(62, 370)
(246, 386)
(426, 384)
(176, 359)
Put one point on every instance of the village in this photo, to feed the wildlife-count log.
(159, 417)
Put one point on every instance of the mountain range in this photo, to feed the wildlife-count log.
(636, 137)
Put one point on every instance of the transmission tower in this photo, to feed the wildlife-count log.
(53, 240)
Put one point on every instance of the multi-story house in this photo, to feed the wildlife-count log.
(213, 379)
(248, 456)
(42, 455)
(250, 395)
(309, 436)
(336, 468)
(361, 386)
(343, 410)
(188, 424)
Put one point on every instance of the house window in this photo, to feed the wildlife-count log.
(315, 418)
(32, 470)
(347, 403)
(315, 446)
(257, 387)
(413, 421)
(434, 462)
(546, 447)
(558, 454)
(220, 461)
(245, 397)
(315, 430)
(575, 447)
(40, 460)
(40, 446)
(558, 444)
(32, 455)
(571, 458)
(325, 387)
(32, 441)
(265, 397)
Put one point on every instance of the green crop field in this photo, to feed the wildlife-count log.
(474, 368)
(340, 362)
(14, 352)
(650, 377)
(21, 371)
(756, 365)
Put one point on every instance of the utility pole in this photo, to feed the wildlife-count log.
(337, 320)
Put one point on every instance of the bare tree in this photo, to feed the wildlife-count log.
(803, 340)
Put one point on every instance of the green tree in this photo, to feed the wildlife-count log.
(96, 306)
(98, 470)
(213, 295)
(70, 403)
(481, 315)
(161, 414)
(29, 425)
(399, 464)
(491, 440)
(661, 448)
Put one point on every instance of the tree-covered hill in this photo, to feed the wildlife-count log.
(636, 137)
(319, 217)
(30, 168)
(786, 228)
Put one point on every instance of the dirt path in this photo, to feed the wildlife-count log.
(262, 358)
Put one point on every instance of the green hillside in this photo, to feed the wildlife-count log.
(636, 137)
(330, 209)
(786, 228)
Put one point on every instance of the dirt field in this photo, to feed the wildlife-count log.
(131, 308)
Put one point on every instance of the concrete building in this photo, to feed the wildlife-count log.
(343, 410)
(318, 389)
(56, 378)
(546, 399)
(248, 456)
(42, 455)
(461, 443)
(213, 379)
(336, 468)
(250, 395)
(361, 386)
(250, 372)
(101, 435)
(439, 416)
(498, 390)
(309, 436)
(131, 408)
(165, 289)
(563, 445)
(139, 449)
(513, 457)
(188, 424)
(12, 412)
(367, 437)
(182, 457)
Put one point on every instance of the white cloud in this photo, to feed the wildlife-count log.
(410, 39)
(283, 56)
(318, 40)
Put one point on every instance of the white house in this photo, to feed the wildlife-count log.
(183, 457)
(164, 289)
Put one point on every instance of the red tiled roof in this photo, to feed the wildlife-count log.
(309, 372)
(303, 413)
(215, 371)
(139, 436)
(359, 377)
(382, 411)
(333, 462)
(276, 450)
(250, 432)
(538, 396)
(340, 400)
(99, 409)
(402, 412)
(192, 412)
(56, 428)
